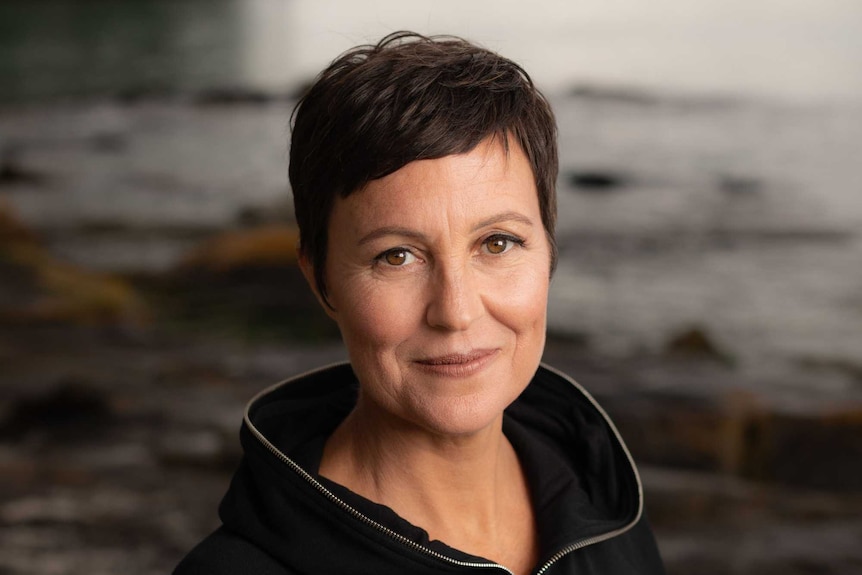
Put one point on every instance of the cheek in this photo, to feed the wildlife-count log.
(522, 299)
(373, 318)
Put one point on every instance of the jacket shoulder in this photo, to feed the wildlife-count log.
(223, 553)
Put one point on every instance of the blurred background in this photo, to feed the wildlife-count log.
(709, 289)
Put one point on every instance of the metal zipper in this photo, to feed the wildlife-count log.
(334, 499)
(412, 544)
(610, 534)
(580, 545)
(368, 521)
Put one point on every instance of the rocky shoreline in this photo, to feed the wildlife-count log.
(115, 449)
(122, 384)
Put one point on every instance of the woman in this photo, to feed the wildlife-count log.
(423, 172)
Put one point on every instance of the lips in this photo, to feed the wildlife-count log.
(457, 364)
(456, 358)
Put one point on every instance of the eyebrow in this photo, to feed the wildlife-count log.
(504, 217)
(390, 231)
(407, 232)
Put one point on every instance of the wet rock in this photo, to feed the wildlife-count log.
(109, 142)
(676, 498)
(844, 366)
(566, 341)
(812, 450)
(266, 247)
(693, 433)
(14, 172)
(39, 288)
(202, 449)
(596, 180)
(619, 95)
(265, 215)
(247, 282)
(738, 435)
(13, 230)
(231, 96)
(739, 185)
(144, 93)
(73, 404)
(694, 343)
(59, 292)
(16, 288)
(822, 548)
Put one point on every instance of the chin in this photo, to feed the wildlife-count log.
(461, 414)
(447, 398)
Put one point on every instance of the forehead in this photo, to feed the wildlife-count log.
(463, 187)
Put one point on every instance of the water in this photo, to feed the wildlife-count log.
(806, 50)
(738, 214)
(772, 267)
(80, 49)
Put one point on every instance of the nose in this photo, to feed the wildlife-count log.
(455, 300)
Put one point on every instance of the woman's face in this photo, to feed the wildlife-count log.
(438, 275)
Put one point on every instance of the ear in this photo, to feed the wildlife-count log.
(308, 272)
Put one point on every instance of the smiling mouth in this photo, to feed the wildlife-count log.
(457, 364)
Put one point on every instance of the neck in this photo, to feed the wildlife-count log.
(385, 457)
(466, 490)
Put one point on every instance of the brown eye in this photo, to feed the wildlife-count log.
(499, 244)
(397, 257)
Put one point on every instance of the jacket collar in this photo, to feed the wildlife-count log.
(584, 482)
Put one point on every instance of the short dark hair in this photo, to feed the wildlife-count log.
(376, 108)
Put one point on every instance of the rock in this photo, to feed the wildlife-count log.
(265, 247)
(179, 372)
(737, 435)
(693, 433)
(136, 94)
(740, 185)
(258, 216)
(620, 95)
(813, 450)
(65, 293)
(595, 180)
(764, 548)
(847, 367)
(694, 343)
(566, 341)
(247, 282)
(203, 449)
(109, 142)
(229, 96)
(72, 404)
(12, 230)
(14, 172)
(676, 499)
(39, 288)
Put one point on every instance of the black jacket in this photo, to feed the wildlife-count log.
(280, 517)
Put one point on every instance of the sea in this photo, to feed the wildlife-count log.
(710, 151)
